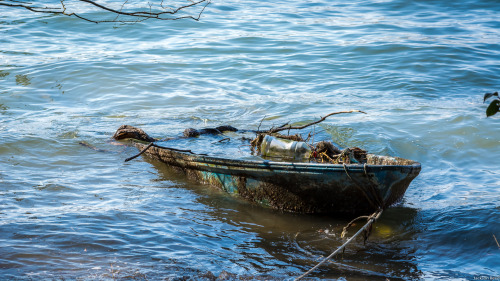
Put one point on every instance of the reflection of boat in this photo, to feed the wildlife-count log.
(300, 187)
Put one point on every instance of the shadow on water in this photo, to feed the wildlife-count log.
(293, 243)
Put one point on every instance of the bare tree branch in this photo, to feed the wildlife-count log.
(123, 14)
(290, 127)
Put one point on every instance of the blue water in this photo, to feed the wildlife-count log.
(418, 68)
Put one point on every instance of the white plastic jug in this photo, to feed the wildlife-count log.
(283, 148)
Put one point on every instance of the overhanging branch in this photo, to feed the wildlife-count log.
(122, 14)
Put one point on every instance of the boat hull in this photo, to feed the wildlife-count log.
(300, 187)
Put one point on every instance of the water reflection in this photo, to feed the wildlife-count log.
(296, 242)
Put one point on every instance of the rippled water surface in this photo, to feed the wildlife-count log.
(418, 68)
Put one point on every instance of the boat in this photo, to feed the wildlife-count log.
(314, 188)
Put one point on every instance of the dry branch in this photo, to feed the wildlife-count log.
(290, 127)
(151, 11)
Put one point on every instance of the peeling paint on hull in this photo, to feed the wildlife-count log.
(300, 187)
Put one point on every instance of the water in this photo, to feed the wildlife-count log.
(418, 68)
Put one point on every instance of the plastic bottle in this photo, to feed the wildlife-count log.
(283, 148)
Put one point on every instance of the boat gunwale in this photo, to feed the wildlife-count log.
(275, 165)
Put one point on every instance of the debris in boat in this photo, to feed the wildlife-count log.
(325, 152)
(334, 156)
(279, 147)
(256, 143)
(287, 147)
(322, 152)
(327, 148)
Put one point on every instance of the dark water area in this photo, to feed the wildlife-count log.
(418, 68)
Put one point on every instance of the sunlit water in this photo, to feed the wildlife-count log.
(418, 68)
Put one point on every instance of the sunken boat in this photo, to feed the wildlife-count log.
(316, 188)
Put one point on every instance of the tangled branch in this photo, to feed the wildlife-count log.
(124, 12)
(290, 127)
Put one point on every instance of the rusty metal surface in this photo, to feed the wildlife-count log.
(300, 187)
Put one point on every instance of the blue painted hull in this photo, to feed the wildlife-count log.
(300, 187)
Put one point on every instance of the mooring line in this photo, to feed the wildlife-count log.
(371, 219)
(363, 191)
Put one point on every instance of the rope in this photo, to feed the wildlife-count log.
(373, 189)
(361, 189)
(371, 219)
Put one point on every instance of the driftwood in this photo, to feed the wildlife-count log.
(130, 132)
(190, 132)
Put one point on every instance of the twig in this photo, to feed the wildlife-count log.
(371, 219)
(314, 133)
(139, 154)
(239, 148)
(496, 241)
(258, 128)
(282, 126)
(224, 139)
(308, 137)
(279, 129)
(86, 144)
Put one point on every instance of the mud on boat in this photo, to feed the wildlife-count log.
(341, 189)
